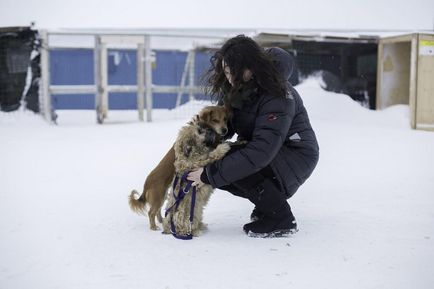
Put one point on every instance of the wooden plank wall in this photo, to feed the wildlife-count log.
(425, 83)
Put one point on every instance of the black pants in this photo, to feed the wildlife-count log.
(243, 188)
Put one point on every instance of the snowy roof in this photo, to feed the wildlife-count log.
(165, 39)
(185, 39)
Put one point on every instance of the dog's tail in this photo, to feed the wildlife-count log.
(137, 205)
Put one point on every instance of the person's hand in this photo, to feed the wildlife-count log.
(194, 176)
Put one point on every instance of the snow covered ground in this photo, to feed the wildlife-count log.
(366, 215)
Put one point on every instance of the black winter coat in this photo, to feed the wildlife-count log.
(279, 135)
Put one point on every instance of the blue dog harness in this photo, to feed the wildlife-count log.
(178, 198)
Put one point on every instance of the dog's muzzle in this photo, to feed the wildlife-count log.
(224, 132)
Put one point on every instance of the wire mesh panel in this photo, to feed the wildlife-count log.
(72, 66)
(177, 70)
(19, 69)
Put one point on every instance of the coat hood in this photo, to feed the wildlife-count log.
(283, 61)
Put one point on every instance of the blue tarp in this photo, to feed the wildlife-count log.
(75, 67)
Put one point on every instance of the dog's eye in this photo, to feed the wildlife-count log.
(215, 120)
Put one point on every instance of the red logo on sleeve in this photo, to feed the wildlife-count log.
(271, 117)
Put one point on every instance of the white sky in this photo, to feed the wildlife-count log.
(280, 14)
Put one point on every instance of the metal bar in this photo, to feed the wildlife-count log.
(100, 33)
(125, 39)
(148, 77)
(140, 80)
(73, 89)
(92, 89)
(183, 78)
(176, 89)
(122, 88)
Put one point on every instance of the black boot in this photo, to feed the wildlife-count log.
(256, 215)
(279, 223)
(277, 220)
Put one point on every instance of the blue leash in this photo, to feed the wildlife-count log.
(178, 198)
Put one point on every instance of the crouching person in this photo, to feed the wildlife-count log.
(279, 149)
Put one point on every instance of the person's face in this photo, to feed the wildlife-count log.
(227, 72)
(247, 74)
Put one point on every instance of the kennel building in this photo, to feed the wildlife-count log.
(406, 76)
(376, 69)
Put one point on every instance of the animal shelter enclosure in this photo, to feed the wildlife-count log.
(105, 70)
(102, 70)
(406, 76)
(346, 62)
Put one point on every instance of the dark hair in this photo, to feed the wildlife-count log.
(240, 53)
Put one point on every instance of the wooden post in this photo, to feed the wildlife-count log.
(100, 74)
(104, 79)
(140, 80)
(191, 75)
(425, 82)
(45, 99)
(378, 94)
(98, 79)
(413, 80)
(148, 77)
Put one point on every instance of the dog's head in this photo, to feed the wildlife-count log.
(209, 136)
(215, 118)
(198, 136)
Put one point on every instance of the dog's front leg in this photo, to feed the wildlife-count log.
(166, 223)
(219, 152)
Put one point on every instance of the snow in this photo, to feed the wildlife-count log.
(365, 215)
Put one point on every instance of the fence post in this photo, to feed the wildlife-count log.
(191, 75)
(148, 77)
(98, 79)
(101, 81)
(140, 80)
(45, 99)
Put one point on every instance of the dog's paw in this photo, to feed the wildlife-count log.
(166, 226)
(203, 226)
(154, 228)
(219, 151)
(223, 148)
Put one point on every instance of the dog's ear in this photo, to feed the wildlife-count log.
(210, 116)
(206, 115)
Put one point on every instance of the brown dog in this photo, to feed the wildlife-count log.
(196, 146)
(161, 177)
